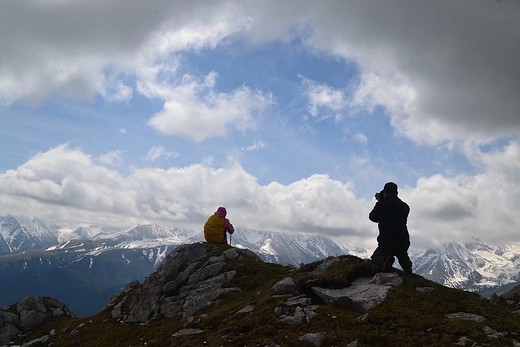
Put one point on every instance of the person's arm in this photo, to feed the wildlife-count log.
(228, 227)
(376, 214)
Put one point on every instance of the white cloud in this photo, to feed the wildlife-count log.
(442, 72)
(484, 205)
(155, 153)
(322, 96)
(255, 146)
(67, 184)
(111, 158)
(193, 109)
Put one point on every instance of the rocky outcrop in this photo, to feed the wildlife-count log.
(191, 278)
(364, 293)
(195, 276)
(28, 314)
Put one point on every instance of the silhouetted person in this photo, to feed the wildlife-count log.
(391, 214)
(216, 227)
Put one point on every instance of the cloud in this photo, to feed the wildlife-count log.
(484, 205)
(155, 153)
(324, 97)
(194, 110)
(255, 146)
(442, 72)
(110, 158)
(66, 183)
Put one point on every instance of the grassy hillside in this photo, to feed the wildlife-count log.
(408, 317)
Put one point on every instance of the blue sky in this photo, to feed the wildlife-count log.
(292, 115)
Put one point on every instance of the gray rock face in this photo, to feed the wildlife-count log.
(364, 293)
(315, 339)
(28, 314)
(285, 285)
(189, 279)
(465, 316)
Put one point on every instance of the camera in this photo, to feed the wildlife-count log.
(380, 196)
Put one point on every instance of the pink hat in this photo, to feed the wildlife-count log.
(221, 211)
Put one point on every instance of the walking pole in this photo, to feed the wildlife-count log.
(230, 240)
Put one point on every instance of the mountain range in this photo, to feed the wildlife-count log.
(83, 266)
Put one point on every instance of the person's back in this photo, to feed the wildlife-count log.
(216, 227)
(391, 214)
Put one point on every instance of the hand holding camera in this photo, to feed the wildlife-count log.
(380, 196)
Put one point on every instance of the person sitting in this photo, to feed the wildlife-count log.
(216, 227)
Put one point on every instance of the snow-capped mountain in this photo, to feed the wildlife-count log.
(270, 246)
(472, 265)
(83, 267)
(286, 248)
(19, 235)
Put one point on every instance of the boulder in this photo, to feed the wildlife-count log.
(191, 278)
(27, 314)
(285, 285)
(315, 339)
(364, 293)
(465, 316)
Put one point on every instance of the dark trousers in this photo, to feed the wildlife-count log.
(385, 261)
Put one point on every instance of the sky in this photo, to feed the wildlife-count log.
(291, 114)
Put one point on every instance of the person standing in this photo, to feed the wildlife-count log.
(391, 214)
(216, 227)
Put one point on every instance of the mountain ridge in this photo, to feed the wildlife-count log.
(472, 265)
(214, 294)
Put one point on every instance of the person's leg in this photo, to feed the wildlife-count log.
(378, 258)
(383, 261)
(389, 261)
(404, 261)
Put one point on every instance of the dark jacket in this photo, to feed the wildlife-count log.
(391, 214)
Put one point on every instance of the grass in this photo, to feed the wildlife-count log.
(407, 318)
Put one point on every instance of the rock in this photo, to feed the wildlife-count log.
(493, 334)
(296, 310)
(188, 332)
(362, 318)
(295, 319)
(247, 309)
(285, 285)
(206, 272)
(189, 279)
(230, 254)
(37, 342)
(301, 300)
(353, 343)
(28, 314)
(363, 293)
(325, 265)
(465, 316)
(315, 339)
(387, 279)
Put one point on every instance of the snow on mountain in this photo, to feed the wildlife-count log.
(286, 248)
(23, 234)
(472, 265)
